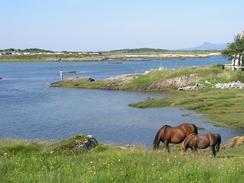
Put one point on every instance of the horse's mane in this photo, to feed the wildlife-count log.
(165, 126)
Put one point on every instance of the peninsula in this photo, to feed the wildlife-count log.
(208, 90)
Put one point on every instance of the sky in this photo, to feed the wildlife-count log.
(99, 25)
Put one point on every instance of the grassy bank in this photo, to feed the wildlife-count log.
(224, 107)
(160, 80)
(25, 161)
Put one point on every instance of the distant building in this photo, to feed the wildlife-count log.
(238, 59)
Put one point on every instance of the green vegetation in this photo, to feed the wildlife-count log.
(51, 57)
(224, 107)
(160, 80)
(30, 50)
(236, 48)
(26, 161)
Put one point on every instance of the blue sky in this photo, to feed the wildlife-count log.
(92, 25)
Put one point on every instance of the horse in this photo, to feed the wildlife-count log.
(195, 142)
(168, 134)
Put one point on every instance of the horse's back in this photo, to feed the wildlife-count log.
(188, 128)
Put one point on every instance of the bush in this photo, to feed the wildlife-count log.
(219, 66)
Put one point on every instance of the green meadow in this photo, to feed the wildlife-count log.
(28, 161)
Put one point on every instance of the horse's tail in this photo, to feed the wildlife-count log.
(195, 129)
(157, 138)
(218, 142)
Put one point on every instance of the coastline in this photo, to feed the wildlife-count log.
(107, 57)
(202, 96)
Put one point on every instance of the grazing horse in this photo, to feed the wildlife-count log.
(168, 134)
(195, 142)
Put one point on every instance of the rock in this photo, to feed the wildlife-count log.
(177, 82)
(237, 84)
(79, 143)
(187, 88)
(233, 142)
(91, 79)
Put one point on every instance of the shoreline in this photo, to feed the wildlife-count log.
(202, 97)
(107, 57)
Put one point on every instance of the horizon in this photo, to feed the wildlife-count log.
(108, 25)
(122, 49)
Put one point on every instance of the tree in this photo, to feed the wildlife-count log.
(235, 50)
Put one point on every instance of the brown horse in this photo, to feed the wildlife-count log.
(195, 142)
(175, 135)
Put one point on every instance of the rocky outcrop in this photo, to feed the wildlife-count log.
(79, 143)
(230, 85)
(177, 82)
(233, 142)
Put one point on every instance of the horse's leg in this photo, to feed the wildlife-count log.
(213, 150)
(194, 150)
(167, 145)
(156, 145)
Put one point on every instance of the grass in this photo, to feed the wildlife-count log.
(153, 79)
(26, 161)
(224, 107)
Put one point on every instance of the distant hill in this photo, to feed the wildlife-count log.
(30, 50)
(138, 50)
(209, 46)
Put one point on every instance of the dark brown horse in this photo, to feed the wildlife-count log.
(168, 134)
(195, 142)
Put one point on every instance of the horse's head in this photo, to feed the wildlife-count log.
(182, 148)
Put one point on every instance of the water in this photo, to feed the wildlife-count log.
(29, 109)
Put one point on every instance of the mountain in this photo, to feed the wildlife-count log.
(136, 50)
(209, 46)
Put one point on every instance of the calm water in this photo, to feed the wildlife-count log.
(30, 109)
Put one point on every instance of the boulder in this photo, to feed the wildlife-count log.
(230, 85)
(188, 88)
(176, 82)
(79, 143)
(233, 142)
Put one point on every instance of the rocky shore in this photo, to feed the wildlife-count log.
(230, 85)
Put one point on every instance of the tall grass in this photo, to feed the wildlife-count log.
(110, 164)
